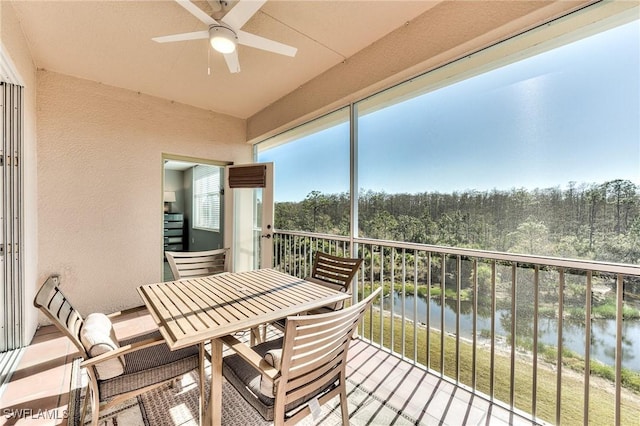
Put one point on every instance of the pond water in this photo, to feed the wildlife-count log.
(603, 331)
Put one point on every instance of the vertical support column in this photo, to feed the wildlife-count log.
(587, 346)
(458, 310)
(353, 175)
(492, 369)
(443, 286)
(559, 358)
(514, 317)
(474, 346)
(536, 303)
(619, 319)
(353, 190)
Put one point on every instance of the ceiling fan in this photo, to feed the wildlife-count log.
(225, 35)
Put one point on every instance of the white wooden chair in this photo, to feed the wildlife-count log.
(309, 362)
(117, 370)
(330, 271)
(191, 264)
(334, 272)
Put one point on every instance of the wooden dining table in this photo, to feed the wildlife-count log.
(201, 310)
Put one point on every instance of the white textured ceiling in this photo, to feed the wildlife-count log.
(110, 42)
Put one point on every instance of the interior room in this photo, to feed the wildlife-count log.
(118, 109)
(181, 231)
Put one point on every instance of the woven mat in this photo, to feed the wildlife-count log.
(178, 405)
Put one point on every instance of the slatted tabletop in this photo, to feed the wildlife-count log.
(199, 309)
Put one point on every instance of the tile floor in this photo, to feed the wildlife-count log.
(38, 391)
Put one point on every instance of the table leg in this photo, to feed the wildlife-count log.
(202, 377)
(215, 396)
(255, 336)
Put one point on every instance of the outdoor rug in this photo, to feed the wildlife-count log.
(177, 405)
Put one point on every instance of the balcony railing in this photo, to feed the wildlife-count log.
(554, 339)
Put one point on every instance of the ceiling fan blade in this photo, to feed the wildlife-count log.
(197, 12)
(242, 12)
(258, 42)
(196, 35)
(232, 61)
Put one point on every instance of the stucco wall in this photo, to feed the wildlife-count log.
(100, 182)
(15, 48)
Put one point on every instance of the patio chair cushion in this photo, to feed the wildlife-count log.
(149, 366)
(246, 380)
(98, 337)
(273, 358)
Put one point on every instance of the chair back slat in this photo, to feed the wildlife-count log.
(321, 338)
(335, 269)
(311, 386)
(322, 341)
(302, 364)
(53, 303)
(57, 304)
(74, 322)
(302, 381)
(197, 263)
(334, 272)
(315, 348)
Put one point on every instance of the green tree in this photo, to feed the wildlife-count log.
(531, 237)
(595, 195)
(623, 194)
(381, 226)
(313, 205)
(410, 229)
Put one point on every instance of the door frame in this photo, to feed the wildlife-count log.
(195, 161)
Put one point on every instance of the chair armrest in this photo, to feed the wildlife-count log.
(251, 356)
(117, 314)
(333, 286)
(146, 343)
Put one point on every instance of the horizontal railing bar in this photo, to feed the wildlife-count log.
(521, 259)
(314, 235)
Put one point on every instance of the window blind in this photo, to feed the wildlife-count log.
(206, 197)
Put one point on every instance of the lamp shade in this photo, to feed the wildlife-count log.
(169, 197)
(222, 39)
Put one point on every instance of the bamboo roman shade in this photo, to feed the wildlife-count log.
(248, 176)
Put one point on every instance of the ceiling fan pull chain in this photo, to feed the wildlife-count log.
(208, 60)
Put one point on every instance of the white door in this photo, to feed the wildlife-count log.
(249, 203)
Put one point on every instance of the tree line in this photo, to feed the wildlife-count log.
(598, 221)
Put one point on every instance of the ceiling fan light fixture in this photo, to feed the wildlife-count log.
(222, 39)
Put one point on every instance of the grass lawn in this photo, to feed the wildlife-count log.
(601, 391)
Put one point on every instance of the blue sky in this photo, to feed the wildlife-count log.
(570, 114)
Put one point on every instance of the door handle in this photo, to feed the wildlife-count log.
(267, 236)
